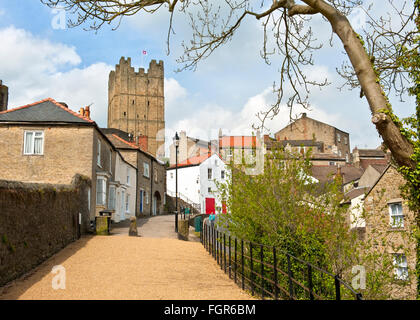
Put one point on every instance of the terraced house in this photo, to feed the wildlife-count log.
(46, 142)
(151, 172)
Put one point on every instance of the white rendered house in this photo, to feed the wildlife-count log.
(122, 192)
(197, 178)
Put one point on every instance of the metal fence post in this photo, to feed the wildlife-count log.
(230, 257)
(310, 285)
(220, 250)
(213, 242)
(217, 246)
(262, 270)
(242, 258)
(201, 235)
(224, 251)
(236, 256)
(276, 294)
(289, 272)
(252, 267)
(337, 288)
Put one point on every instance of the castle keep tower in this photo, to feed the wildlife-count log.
(136, 104)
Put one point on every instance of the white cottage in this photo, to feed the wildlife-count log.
(197, 179)
(122, 192)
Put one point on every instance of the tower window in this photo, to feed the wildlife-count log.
(125, 113)
(133, 101)
(148, 103)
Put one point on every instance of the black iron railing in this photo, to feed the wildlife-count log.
(269, 272)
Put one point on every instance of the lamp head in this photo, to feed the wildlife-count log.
(176, 139)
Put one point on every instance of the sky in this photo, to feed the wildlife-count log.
(40, 57)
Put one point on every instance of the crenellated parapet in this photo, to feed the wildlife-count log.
(136, 100)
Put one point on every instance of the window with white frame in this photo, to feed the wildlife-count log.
(146, 195)
(127, 203)
(98, 156)
(209, 173)
(101, 191)
(128, 176)
(33, 143)
(111, 199)
(338, 137)
(396, 216)
(172, 175)
(222, 174)
(146, 169)
(209, 189)
(345, 140)
(400, 266)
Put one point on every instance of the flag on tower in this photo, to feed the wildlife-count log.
(144, 52)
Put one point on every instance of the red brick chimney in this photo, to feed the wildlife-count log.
(82, 112)
(143, 142)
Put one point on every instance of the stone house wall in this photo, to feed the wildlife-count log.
(57, 164)
(306, 128)
(386, 238)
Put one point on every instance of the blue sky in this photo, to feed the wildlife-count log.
(227, 90)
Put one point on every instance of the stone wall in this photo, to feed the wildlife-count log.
(386, 239)
(170, 205)
(38, 220)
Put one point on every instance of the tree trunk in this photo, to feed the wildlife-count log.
(399, 146)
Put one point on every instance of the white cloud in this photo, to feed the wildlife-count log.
(173, 92)
(34, 68)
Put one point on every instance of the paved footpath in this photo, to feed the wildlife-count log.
(122, 267)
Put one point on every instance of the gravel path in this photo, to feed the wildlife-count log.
(122, 267)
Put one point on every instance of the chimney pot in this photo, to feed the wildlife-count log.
(82, 112)
(87, 112)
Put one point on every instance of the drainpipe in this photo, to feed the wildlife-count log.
(151, 187)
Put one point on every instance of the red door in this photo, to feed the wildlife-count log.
(210, 205)
(224, 207)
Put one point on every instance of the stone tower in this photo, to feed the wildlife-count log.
(136, 104)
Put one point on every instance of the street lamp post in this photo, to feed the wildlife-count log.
(176, 142)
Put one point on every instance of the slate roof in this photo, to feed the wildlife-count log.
(47, 110)
(379, 167)
(326, 173)
(356, 192)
